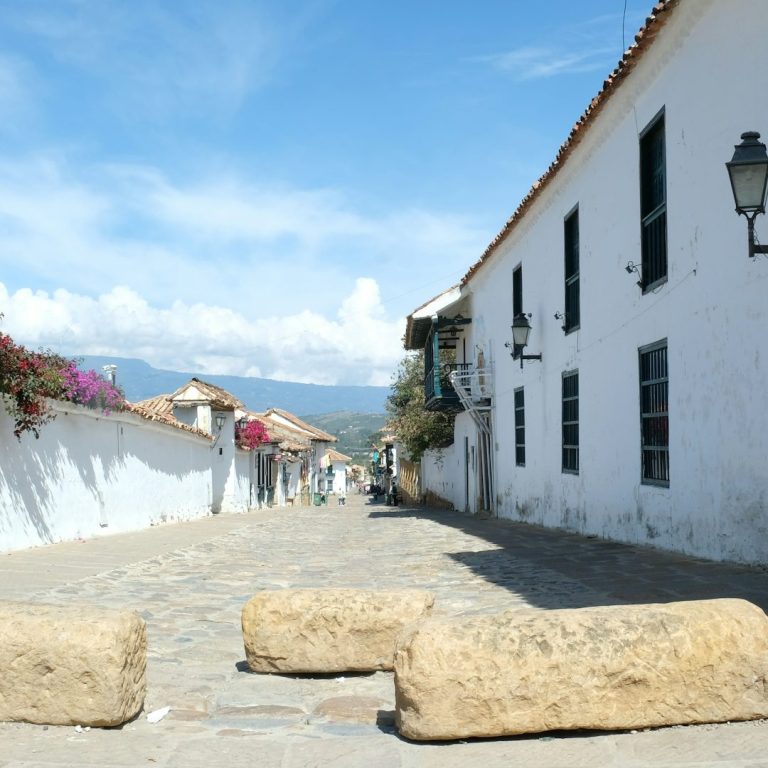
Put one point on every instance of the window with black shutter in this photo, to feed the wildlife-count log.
(572, 307)
(653, 202)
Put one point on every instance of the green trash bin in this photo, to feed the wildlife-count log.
(317, 499)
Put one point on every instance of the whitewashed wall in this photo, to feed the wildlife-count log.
(90, 474)
(712, 310)
(240, 500)
(294, 480)
(441, 472)
(338, 484)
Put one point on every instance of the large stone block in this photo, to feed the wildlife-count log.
(328, 630)
(606, 668)
(71, 666)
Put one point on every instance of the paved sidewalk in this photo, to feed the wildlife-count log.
(191, 580)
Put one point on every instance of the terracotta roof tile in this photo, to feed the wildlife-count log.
(317, 434)
(163, 418)
(159, 404)
(218, 397)
(336, 456)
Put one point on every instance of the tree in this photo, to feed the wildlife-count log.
(417, 428)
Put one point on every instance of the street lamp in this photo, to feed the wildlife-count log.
(521, 329)
(220, 419)
(748, 172)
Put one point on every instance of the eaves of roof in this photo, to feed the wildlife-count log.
(419, 322)
(314, 432)
(643, 41)
(164, 418)
(216, 396)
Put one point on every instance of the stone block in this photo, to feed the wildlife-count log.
(328, 630)
(71, 666)
(603, 668)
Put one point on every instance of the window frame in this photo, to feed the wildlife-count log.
(648, 216)
(569, 470)
(574, 277)
(519, 408)
(517, 303)
(659, 449)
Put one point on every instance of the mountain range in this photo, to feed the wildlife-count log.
(139, 380)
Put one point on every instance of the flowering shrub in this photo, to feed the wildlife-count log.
(252, 435)
(88, 388)
(28, 379)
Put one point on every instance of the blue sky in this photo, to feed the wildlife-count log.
(268, 187)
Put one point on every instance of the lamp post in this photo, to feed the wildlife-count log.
(748, 172)
(521, 329)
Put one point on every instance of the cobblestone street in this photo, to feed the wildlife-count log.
(190, 581)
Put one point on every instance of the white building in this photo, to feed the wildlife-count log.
(334, 465)
(642, 422)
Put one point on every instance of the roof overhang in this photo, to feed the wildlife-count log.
(419, 322)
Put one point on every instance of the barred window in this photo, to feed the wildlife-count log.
(520, 427)
(653, 197)
(571, 422)
(572, 304)
(654, 413)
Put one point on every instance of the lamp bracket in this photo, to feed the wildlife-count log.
(753, 247)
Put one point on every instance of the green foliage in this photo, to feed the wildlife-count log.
(355, 431)
(29, 379)
(417, 428)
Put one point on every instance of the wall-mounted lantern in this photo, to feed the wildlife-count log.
(220, 420)
(748, 172)
(521, 329)
(242, 423)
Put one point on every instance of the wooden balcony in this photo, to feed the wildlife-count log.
(439, 394)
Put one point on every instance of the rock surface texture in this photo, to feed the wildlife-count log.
(71, 666)
(328, 630)
(605, 668)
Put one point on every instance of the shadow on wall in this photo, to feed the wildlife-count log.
(554, 569)
(33, 474)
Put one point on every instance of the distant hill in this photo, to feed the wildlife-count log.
(353, 430)
(139, 380)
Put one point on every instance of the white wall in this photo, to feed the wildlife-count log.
(90, 474)
(339, 482)
(712, 310)
(294, 479)
(440, 473)
(240, 500)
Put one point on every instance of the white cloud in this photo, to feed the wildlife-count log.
(157, 59)
(531, 63)
(585, 46)
(253, 247)
(15, 83)
(360, 345)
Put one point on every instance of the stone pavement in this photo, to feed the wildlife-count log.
(190, 581)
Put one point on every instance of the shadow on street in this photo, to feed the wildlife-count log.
(533, 561)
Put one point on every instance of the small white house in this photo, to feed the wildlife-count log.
(334, 472)
(631, 414)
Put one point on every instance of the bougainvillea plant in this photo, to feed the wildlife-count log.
(252, 435)
(88, 388)
(29, 379)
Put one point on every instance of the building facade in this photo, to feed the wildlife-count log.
(642, 420)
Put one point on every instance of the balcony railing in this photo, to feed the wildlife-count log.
(439, 394)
